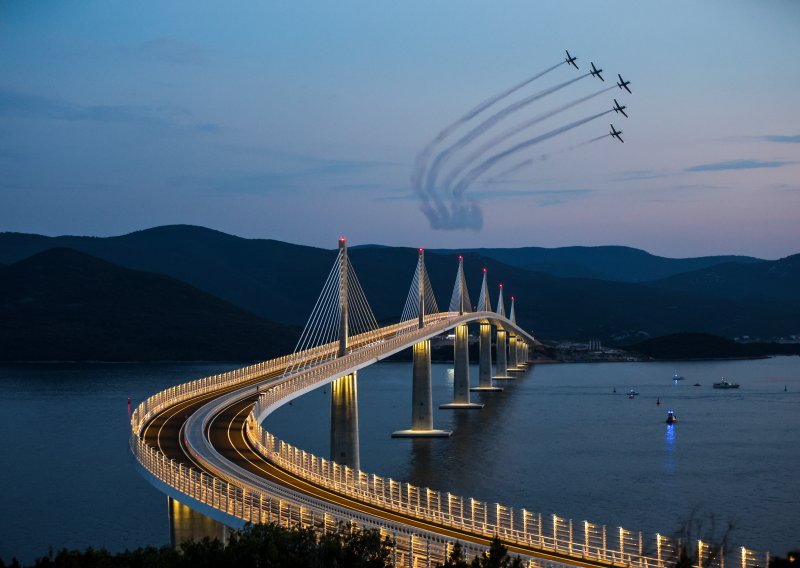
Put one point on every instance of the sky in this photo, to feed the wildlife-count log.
(303, 121)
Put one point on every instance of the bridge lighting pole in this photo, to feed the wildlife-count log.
(343, 264)
(421, 396)
(344, 422)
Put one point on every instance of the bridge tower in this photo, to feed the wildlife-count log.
(344, 448)
(421, 391)
(513, 350)
(502, 351)
(485, 343)
(460, 302)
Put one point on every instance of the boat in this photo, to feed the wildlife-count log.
(671, 418)
(632, 393)
(696, 385)
(678, 377)
(723, 384)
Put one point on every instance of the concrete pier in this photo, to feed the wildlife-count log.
(502, 361)
(187, 525)
(421, 397)
(461, 372)
(512, 353)
(344, 422)
(485, 360)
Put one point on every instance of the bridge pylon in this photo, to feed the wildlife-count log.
(421, 397)
(485, 343)
(461, 303)
(502, 349)
(344, 422)
(420, 300)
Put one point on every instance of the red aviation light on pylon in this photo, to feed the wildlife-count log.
(484, 270)
(512, 298)
(501, 284)
(420, 249)
(342, 239)
(460, 257)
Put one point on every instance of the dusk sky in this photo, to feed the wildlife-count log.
(301, 121)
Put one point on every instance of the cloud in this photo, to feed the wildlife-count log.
(25, 105)
(635, 175)
(737, 165)
(782, 139)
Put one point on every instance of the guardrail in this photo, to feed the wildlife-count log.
(548, 533)
(272, 502)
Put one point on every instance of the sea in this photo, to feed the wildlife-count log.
(561, 439)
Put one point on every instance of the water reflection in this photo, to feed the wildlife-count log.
(187, 525)
(669, 446)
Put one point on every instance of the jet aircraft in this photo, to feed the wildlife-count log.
(623, 84)
(620, 109)
(616, 134)
(571, 60)
(595, 72)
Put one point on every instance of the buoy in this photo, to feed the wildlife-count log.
(658, 402)
(615, 389)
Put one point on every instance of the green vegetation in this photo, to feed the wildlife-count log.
(496, 557)
(255, 546)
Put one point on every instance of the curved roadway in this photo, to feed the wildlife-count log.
(225, 430)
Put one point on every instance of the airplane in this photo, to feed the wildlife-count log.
(595, 72)
(616, 134)
(571, 60)
(623, 84)
(619, 108)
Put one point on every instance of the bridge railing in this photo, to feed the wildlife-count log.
(548, 533)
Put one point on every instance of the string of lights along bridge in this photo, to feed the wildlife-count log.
(203, 442)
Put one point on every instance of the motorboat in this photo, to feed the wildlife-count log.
(723, 384)
(677, 377)
(671, 418)
(632, 393)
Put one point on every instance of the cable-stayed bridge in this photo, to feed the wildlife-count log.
(203, 444)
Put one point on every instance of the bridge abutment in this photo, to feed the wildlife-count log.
(344, 421)
(421, 396)
(461, 372)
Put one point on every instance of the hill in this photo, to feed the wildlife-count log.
(764, 281)
(62, 304)
(615, 263)
(685, 346)
(280, 282)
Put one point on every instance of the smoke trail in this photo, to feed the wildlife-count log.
(421, 162)
(544, 156)
(450, 178)
(442, 157)
(481, 168)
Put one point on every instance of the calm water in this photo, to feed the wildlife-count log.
(556, 441)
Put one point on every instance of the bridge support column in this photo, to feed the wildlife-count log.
(187, 525)
(461, 372)
(513, 352)
(344, 421)
(502, 364)
(421, 397)
(485, 360)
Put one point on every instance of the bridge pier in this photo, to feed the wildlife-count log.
(513, 353)
(188, 525)
(502, 361)
(485, 360)
(344, 422)
(461, 372)
(421, 397)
